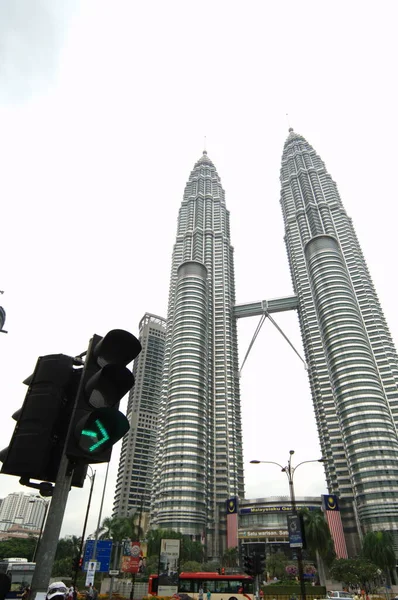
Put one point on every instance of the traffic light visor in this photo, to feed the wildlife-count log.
(100, 430)
(108, 386)
(118, 347)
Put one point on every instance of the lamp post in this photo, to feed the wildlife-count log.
(46, 505)
(76, 566)
(289, 470)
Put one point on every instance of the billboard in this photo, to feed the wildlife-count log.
(133, 557)
(168, 567)
(296, 536)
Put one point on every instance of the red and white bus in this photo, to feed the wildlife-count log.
(221, 587)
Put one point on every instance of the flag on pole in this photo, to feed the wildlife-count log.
(333, 518)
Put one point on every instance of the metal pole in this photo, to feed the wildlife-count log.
(41, 531)
(92, 478)
(48, 546)
(290, 474)
(94, 555)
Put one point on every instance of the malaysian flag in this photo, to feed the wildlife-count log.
(333, 517)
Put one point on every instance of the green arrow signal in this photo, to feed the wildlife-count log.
(95, 434)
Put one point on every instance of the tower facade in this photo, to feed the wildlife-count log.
(199, 455)
(352, 361)
(27, 510)
(134, 480)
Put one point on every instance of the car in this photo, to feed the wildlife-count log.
(341, 595)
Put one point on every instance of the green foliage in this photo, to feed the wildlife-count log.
(230, 557)
(378, 548)
(276, 564)
(67, 547)
(62, 568)
(355, 572)
(191, 566)
(293, 589)
(117, 529)
(211, 566)
(155, 535)
(317, 535)
(18, 547)
(191, 551)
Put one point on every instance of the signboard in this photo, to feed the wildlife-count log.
(103, 555)
(113, 572)
(133, 557)
(256, 533)
(168, 567)
(92, 565)
(265, 509)
(295, 534)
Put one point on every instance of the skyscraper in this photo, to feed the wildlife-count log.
(134, 480)
(27, 510)
(352, 362)
(199, 453)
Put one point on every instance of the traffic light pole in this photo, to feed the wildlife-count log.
(48, 545)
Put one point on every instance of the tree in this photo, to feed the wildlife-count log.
(276, 564)
(319, 541)
(230, 557)
(317, 533)
(154, 537)
(191, 566)
(18, 547)
(116, 528)
(378, 548)
(357, 572)
(191, 551)
(68, 547)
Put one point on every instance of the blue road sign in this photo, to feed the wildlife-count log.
(103, 558)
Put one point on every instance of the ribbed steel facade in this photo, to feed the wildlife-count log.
(199, 453)
(352, 362)
(134, 479)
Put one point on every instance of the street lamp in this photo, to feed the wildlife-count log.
(290, 471)
(76, 566)
(46, 505)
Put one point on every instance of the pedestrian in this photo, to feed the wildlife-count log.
(57, 591)
(208, 595)
(90, 592)
(26, 593)
(200, 594)
(95, 593)
(5, 585)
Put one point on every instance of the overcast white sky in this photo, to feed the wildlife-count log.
(103, 111)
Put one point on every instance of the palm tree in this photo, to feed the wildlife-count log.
(116, 528)
(230, 557)
(318, 538)
(378, 548)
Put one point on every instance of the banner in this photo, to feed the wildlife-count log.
(133, 557)
(168, 567)
(232, 522)
(295, 533)
(333, 517)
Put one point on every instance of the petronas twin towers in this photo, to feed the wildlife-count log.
(352, 362)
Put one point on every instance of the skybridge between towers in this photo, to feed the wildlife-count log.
(253, 309)
(264, 309)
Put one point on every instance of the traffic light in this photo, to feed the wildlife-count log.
(259, 565)
(76, 564)
(38, 440)
(97, 423)
(248, 565)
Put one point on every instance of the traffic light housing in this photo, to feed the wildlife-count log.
(248, 565)
(259, 565)
(76, 564)
(97, 423)
(38, 440)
